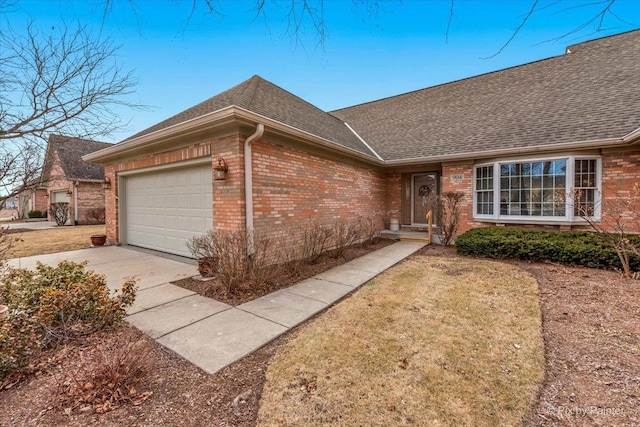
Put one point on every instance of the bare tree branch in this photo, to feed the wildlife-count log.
(67, 82)
(598, 19)
(451, 16)
(515, 32)
(63, 81)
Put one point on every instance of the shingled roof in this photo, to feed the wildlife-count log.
(263, 97)
(589, 93)
(70, 151)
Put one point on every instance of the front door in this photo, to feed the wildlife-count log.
(423, 195)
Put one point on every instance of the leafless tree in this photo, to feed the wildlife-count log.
(64, 80)
(618, 221)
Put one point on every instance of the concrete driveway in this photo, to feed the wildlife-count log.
(119, 264)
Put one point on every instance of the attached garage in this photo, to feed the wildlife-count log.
(165, 208)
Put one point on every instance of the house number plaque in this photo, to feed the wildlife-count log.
(456, 177)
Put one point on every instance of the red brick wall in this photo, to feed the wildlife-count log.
(228, 195)
(90, 196)
(620, 173)
(293, 188)
(464, 184)
(111, 204)
(41, 201)
(393, 197)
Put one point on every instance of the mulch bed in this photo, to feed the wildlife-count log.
(591, 321)
(213, 288)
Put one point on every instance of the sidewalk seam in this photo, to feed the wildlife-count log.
(192, 323)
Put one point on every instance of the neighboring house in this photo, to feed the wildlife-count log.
(9, 208)
(515, 142)
(10, 203)
(33, 197)
(70, 179)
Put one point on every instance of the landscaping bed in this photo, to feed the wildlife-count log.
(213, 288)
(591, 323)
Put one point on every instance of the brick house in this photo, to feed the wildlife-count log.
(68, 178)
(32, 197)
(510, 140)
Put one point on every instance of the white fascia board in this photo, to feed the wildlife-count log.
(151, 138)
(632, 136)
(509, 152)
(209, 120)
(363, 141)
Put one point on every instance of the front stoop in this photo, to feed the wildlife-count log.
(415, 239)
(410, 236)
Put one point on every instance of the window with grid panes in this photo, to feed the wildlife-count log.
(537, 189)
(585, 187)
(484, 190)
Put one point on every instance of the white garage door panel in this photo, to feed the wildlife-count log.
(165, 209)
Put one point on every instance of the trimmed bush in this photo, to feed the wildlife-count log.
(579, 248)
(95, 216)
(35, 214)
(60, 212)
(49, 305)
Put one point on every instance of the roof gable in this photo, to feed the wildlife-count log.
(264, 98)
(70, 151)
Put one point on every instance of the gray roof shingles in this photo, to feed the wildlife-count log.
(591, 93)
(588, 94)
(70, 150)
(263, 97)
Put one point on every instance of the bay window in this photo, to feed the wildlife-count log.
(553, 189)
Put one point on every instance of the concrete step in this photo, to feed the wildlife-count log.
(414, 239)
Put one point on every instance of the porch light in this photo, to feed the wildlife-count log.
(220, 170)
(106, 184)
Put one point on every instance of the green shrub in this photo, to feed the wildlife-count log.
(565, 247)
(52, 304)
(35, 214)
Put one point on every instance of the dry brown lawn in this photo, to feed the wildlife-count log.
(52, 240)
(436, 341)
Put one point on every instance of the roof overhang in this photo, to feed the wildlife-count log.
(212, 121)
(633, 136)
(517, 151)
(239, 115)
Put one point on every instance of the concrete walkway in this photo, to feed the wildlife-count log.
(35, 225)
(212, 334)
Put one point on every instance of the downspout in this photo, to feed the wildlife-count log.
(75, 203)
(248, 186)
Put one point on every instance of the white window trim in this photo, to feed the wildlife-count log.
(568, 218)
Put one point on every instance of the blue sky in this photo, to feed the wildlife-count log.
(403, 47)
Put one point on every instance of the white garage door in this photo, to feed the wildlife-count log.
(165, 209)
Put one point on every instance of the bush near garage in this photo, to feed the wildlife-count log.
(51, 305)
(578, 248)
(36, 214)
